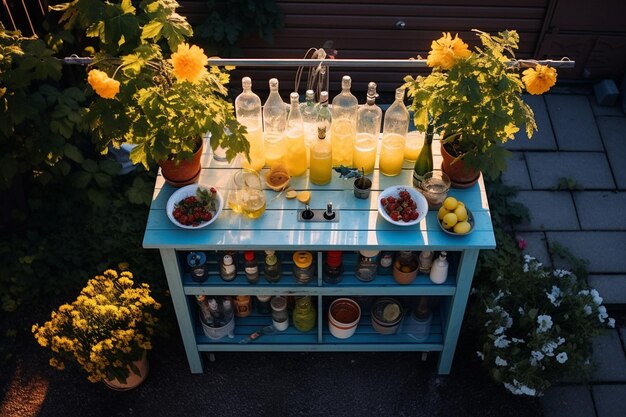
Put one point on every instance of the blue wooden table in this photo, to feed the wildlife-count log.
(360, 227)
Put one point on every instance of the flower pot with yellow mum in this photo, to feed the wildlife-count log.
(106, 330)
(474, 100)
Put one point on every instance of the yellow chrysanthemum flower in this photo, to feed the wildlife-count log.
(446, 50)
(104, 86)
(189, 63)
(538, 80)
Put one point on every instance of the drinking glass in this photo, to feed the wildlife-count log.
(245, 193)
(434, 187)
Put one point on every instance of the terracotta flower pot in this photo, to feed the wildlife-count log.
(133, 380)
(183, 173)
(461, 175)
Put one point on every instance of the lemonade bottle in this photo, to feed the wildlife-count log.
(324, 117)
(343, 128)
(369, 117)
(309, 111)
(248, 110)
(321, 159)
(295, 156)
(395, 128)
(274, 124)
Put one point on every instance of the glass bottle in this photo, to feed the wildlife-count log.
(280, 317)
(197, 264)
(321, 169)
(203, 307)
(343, 128)
(367, 266)
(304, 314)
(324, 116)
(272, 266)
(309, 111)
(215, 310)
(368, 122)
(303, 267)
(417, 324)
(274, 125)
(439, 269)
(385, 265)
(395, 128)
(263, 304)
(295, 156)
(333, 267)
(248, 111)
(425, 261)
(251, 268)
(228, 269)
(424, 162)
(243, 305)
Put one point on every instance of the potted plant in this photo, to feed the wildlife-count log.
(106, 330)
(161, 102)
(474, 99)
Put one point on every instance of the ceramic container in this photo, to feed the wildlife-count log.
(343, 317)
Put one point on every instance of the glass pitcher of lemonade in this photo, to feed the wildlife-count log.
(274, 124)
(321, 159)
(295, 156)
(343, 127)
(396, 126)
(368, 122)
(248, 111)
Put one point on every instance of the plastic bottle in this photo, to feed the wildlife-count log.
(395, 128)
(248, 110)
(274, 125)
(439, 269)
(424, 162)
(251, 268)
(295, 156)
(343, 129)
(321, 169)
(369, 118)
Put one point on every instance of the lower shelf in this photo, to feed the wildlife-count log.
(364, 339)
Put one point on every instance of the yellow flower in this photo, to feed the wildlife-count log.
(189, 63)
(104, 86)
(57, 364)
(446, 50)
(538, 80)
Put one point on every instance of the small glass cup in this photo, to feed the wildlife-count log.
(434, 187)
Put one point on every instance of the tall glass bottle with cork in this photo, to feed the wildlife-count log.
(369, 118)
(248, 111)
(321, 169)
(274, 125)
(343, 128)
(309, 118)
(324, 116)
(295, 156)
(396, 126)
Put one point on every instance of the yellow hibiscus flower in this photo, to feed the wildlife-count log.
(189, 63)
(446, 50)
(538, 80)
(104, 86)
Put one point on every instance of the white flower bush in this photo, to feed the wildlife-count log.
(538, 325)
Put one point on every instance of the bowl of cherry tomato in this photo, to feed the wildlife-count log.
(194, 206)
(402, 206)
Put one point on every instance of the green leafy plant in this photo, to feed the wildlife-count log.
(474, 98)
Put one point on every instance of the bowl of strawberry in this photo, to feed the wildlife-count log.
(194, 206)
(402, 206)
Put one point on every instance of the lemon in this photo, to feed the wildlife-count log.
(304, 197)
(460, 203)
(391, 312)
(449, 220)
(462, 228)
(442, 212)
(461, 213)
(450, 203)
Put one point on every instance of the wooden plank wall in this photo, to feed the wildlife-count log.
(367, 29)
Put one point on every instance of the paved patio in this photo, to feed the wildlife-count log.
(584, 145)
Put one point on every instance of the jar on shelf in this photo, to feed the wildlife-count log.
(243, 305)
(367, 265)
(263, 304)
(385, 263)
(251, 268)
(303, 267)
(417, 323)
(333, 267)
(304, 314)
(425, 261)
(228, 269)
(439, 270)
(197, 265)
(405, 267)
(272, 266)
(280, 317)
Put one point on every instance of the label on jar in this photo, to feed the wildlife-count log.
(386, 260)
(229, 269)
(251, 270)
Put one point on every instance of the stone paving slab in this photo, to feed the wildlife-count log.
(622, 333)
(599, 110)
(573, 123)
(613, 131)
(568, 401)
(552, 210)
(591, 170)
(602, 249)
(516, 174)
(608, 358)
(601, 210)
(543, 138)
(610, 400)
(612, 288)
(537, 246)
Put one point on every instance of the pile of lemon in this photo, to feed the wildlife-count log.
(453, 216)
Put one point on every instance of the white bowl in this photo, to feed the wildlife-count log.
(187, 191)
(420, 201)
